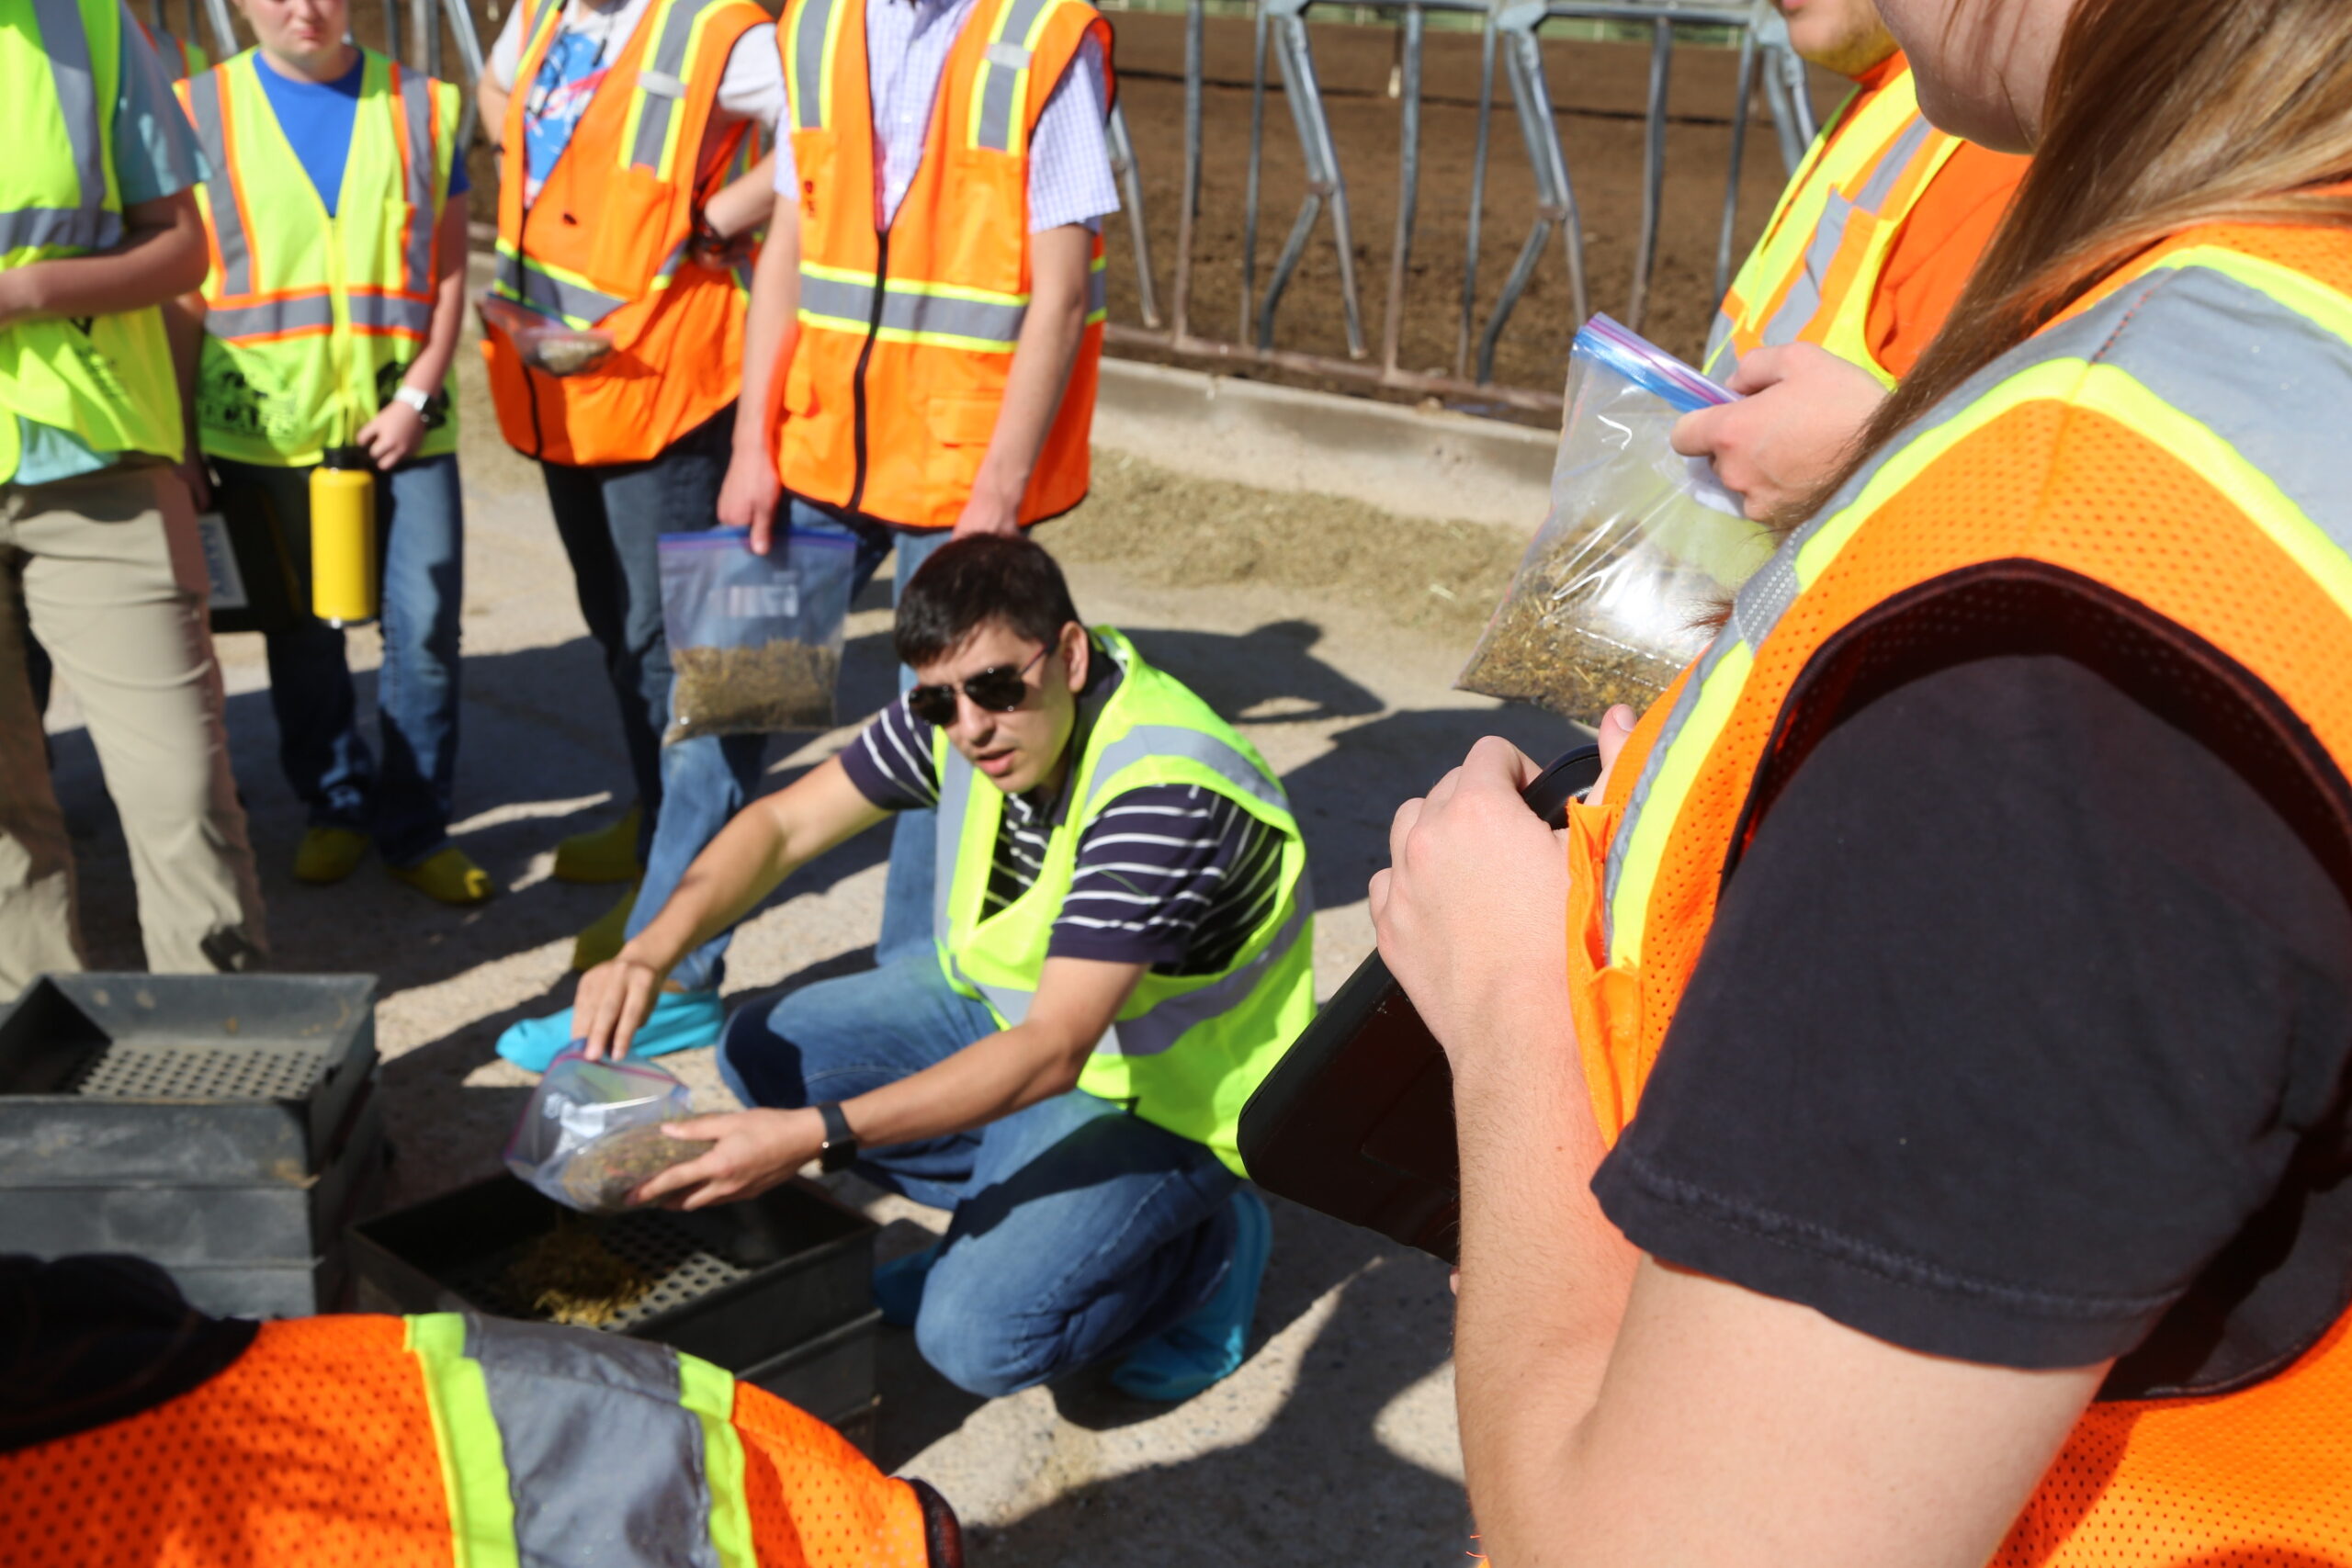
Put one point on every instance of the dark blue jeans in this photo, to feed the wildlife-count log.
(704, 782)
(403, 803)
(1077, 1229)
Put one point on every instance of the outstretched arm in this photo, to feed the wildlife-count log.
(767, 842)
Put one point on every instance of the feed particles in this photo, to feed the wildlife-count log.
(753, 691)
(567, 1276)
(1541, 646)
(566, 356)
(599, 1177)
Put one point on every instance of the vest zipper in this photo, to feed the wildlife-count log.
(864, 355)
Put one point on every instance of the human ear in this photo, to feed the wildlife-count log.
(1077, 651)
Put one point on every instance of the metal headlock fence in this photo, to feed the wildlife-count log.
(1508, 35)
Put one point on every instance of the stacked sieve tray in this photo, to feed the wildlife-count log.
(223, 1126)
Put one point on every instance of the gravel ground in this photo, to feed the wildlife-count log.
(1329, 631)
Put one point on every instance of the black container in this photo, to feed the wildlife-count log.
(1357, 1118)
(775, 1289)
(222, 1126)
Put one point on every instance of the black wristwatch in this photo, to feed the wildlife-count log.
(839, 1150)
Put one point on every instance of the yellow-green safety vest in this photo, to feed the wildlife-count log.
(311, 322)
(1186, 1051)
(1812, 276)
(106, 380)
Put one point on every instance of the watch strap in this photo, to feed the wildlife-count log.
(841, 1142)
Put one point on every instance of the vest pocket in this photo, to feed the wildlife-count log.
(800, 384)
(960, 425)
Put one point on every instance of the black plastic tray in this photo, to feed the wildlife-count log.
(740, 1285)
(832, 1376)
(1356, 1121)
(204, 1081)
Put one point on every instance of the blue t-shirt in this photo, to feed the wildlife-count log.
(317, 117)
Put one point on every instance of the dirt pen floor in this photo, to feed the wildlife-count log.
(1330, 631)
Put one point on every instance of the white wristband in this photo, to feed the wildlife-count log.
(413, 397)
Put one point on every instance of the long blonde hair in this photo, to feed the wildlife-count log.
(2160, 116)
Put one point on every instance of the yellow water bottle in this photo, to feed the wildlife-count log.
(343, 537)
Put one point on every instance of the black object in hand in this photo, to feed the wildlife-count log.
(1357, 1118)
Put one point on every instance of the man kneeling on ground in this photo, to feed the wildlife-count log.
(1123, 944)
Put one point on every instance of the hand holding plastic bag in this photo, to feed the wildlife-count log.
(1609, 604)
(756, 640)
(592, 1133)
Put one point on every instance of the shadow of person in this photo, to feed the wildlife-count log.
(1268, 674)
(1337, 1433)
(1347, 798)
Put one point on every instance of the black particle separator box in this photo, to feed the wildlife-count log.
(223, 1126)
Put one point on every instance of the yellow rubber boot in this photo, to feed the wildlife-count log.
(603, 940)
(602, 854)
(449, 875)
(329, 855)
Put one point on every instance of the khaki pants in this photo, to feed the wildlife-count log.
(108, 568)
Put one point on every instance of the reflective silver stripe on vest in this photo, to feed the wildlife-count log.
(2257, 374)
(235, 322)
(998, 79)
(808, 55)
(221, 189)
(417, 125)
(1174, 740)
(1829, 235)
(903, 311)
(88, 224)
(389, 312)
(666, 70)
(552, 296)
(603, 1464)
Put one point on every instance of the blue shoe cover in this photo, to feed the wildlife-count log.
(679, 1021)
(898, 1286)
(1208, 1346)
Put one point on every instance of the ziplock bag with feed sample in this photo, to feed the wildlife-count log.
(1641, 544)
(756, 640)
(592, 1133)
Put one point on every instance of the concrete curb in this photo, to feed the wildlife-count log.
(1405, 460)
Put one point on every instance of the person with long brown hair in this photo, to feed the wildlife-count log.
(1932, 1149)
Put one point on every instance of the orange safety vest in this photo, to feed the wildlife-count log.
(603, 244)
(2207, 505)
(417, 1442)
(905, 335)
(1812, 276)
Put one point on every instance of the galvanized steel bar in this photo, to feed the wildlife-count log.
(1477, 199)
(1122, 168)
(1189, 203)
(1653, 171)
(1249, 192)
(1745, 90)
(1409, 183)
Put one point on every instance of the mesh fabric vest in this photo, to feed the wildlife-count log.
(311, 320)
(448, 1439)
(2154, 474)
(906, 333)
(603, 244)
(1811, 277)
(1185, 1052)
(107, 380)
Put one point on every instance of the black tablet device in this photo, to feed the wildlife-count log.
(1357, 1118)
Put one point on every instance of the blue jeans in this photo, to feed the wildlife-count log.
(705, 780)
(403, 804)
(906, 897)
(1077, 1229)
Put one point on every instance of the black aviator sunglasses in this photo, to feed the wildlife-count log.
(998, 689)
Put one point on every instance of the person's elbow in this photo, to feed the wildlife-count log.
(1062, 265)
(177, 257)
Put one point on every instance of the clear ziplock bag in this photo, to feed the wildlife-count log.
(1607, 605)
(592, 1133)
(756, 640)
(542, 343)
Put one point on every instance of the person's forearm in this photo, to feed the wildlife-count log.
(751, 854)
(1545, 1277)
(1042, 359)
(184, 329)
(162, 257)
(994, 1077)
(744, 203)
(431, 366)
(769, 326)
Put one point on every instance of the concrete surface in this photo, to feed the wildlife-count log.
(1416, 461)
(1335, 1444)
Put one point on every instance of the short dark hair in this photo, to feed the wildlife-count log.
(968, 582)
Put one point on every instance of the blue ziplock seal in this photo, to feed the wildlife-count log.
(1648, 367)
(710, 538)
